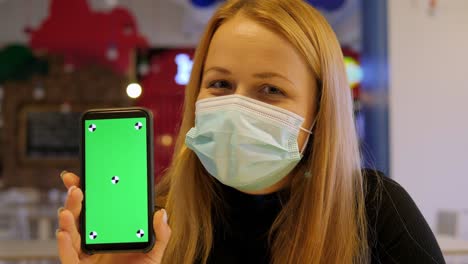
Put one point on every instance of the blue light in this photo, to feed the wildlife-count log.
(203, 3)
(184, 68)
(329, 5)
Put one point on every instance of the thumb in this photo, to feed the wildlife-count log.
(162, 232)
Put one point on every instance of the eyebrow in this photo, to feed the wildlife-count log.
(261, 75)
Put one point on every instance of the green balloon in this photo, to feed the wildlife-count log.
(18, 63)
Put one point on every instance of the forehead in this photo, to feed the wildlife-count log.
(241, 40)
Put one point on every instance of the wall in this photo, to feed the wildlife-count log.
(428, 57)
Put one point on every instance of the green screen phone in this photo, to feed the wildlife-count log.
(117, 180)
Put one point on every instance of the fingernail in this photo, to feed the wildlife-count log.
(57, 231)
(71, 189)
(60, 210)
(63, 173)
(164, 216)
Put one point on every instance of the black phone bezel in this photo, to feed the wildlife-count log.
(113, 113)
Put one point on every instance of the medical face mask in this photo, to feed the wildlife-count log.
(244, 143)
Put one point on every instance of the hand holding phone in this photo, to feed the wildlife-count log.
(117, 180)
(69, 238)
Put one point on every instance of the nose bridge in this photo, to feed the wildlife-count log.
(242, 89)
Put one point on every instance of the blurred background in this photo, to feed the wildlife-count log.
(406, 62)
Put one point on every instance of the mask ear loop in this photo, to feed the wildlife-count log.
(308, 174)
(309, 132)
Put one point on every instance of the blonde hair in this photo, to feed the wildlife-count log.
(324, 220)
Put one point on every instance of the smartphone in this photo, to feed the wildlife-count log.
(117, 180)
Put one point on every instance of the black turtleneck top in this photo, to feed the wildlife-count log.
(398, 233)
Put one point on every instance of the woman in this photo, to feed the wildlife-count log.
(266, 166)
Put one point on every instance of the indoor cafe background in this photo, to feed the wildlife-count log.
(406, 62)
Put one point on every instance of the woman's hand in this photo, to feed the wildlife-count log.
(69, 240)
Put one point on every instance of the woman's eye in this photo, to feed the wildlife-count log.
(271, 90)
(222, 84)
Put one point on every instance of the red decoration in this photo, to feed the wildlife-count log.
(84, 36)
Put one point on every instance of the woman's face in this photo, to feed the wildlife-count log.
(248, 59)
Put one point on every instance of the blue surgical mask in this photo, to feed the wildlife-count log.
(244, 143)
